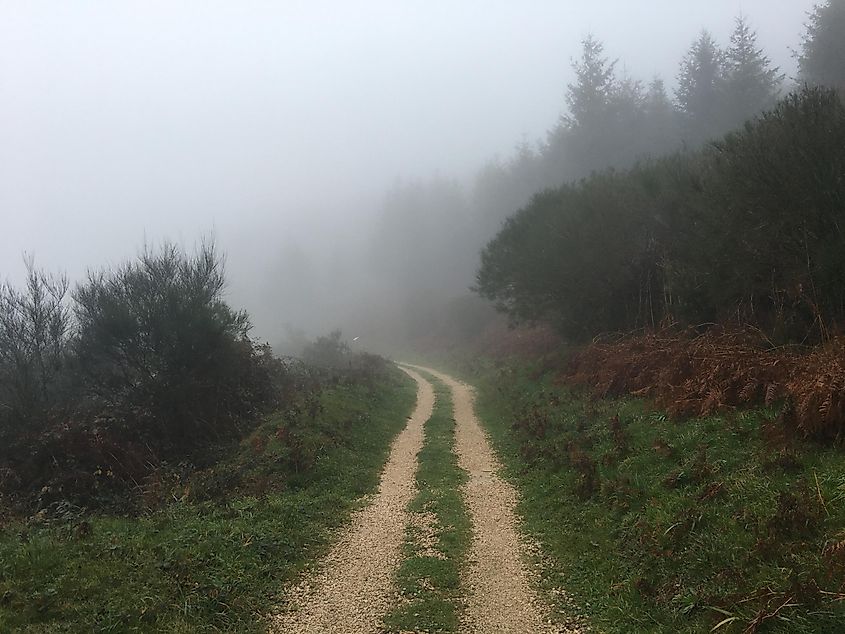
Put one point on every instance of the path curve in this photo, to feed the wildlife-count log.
(352, 589)
(502, 598)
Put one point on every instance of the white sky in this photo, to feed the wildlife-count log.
(266, 122)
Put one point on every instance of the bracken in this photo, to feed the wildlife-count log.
(690, 373)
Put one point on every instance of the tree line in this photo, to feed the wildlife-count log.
(748, 228)
(615, 131)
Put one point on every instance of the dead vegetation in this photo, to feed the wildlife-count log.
(690, 373)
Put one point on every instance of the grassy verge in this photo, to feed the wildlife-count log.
(439, 534)
(727, 522)
(218, 564)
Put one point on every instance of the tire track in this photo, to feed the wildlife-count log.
(353, 588)
(501, 598)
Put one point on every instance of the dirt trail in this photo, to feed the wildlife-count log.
(501, 596)
(352, 589)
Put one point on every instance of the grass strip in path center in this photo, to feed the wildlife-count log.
(438, 537)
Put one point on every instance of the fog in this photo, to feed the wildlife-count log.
(279, 127)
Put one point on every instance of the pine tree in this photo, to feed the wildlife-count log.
(751, 83)
(578, 144)
(822, 57)
(700, 85)
(623, 128)
(589, 96)
(657, 99)
(660, 125)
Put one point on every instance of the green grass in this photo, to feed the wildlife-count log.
(654, 525)
(216, 565)
(429, 578)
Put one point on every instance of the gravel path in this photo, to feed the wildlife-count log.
(352, 589)
(501, 596)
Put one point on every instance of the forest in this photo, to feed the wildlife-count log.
(716, 203)
(745, 229)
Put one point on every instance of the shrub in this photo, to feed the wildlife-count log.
(149, 364)
(34, 330)
(155, 337)
(331, 359)
(328, 352)
(698, 374)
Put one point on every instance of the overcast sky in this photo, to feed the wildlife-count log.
(263, 122)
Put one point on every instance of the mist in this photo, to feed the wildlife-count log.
(292, 132)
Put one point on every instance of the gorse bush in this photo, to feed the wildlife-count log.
(748, 228)
(144, 362)
(157, 333)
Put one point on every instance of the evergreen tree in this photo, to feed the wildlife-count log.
(822, 57)
(500, 188)
(612, 121)
(660, 128)
(657, 100)
(623, 129)
(751, 83)
(700, 88)
(589, 96)
(582, 141)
